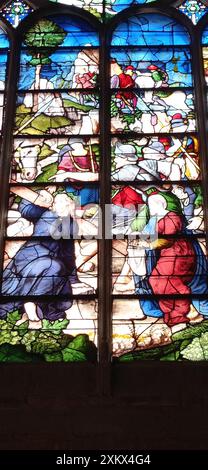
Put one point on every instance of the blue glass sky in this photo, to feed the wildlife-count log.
(4, 42)
(150, 29)
(59, 69)
(119, 5)
(205, 36)
(79, 33)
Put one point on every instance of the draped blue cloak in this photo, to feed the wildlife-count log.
(43, 267)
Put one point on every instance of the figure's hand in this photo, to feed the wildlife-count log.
(58, 178)
(51, 189)
(144, 244)
(195, 223)
(44, 199)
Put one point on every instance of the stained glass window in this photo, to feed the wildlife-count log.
(4, 47)
(106, 9)
(205, 52)
(15, 12)
(95, 7)
(112, 7)
(159, 264)
(50, 272)
(194, 9)
(60, 177)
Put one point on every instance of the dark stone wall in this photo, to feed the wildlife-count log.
(76, 407)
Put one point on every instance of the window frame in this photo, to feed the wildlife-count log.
(104, 377)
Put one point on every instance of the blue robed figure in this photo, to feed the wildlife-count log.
(43, 266)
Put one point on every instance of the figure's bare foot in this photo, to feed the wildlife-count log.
(35, 325)
(198, 319)
(194, 316)
(31, 312)
(22, 320)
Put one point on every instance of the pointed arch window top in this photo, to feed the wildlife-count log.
(150, 28)
(95, 7)
(4, 46)
(4, 42)
(15, 12)
(112, 7)
(104, 9)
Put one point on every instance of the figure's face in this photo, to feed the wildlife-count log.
(78, 149)
(180, 192)
(63, 205)
(115, 69)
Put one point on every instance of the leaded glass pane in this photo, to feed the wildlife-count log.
(49, 284)
(159, 265)
(15, 11)
(194, 9)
